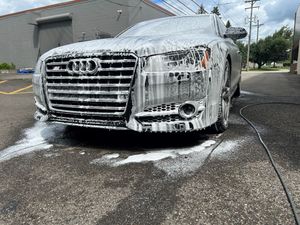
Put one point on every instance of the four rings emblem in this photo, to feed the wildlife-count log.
(83, 66)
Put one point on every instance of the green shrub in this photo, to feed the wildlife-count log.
(6, 66)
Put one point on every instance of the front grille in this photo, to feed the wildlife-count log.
(162, 108)
(103, 93)
(90, 120)
(160, 119)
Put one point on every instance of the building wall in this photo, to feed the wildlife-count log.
(91, 19)
(18, 40)
(142, 11)
(295, 65)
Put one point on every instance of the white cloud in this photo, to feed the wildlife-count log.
(278, 10)
(272, 13)
(11, 6)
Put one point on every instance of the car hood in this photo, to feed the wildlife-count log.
(141, 46)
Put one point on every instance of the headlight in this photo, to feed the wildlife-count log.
(37, 86)
(181, 61)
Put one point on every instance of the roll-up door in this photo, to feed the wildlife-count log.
(53, 34)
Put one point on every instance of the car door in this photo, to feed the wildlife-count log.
(234, 52)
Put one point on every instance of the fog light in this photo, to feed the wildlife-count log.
(187, 110)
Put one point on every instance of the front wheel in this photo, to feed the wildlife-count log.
(237, 92)
(224, 103)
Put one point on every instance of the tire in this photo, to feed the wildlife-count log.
(237, 92)
(224, 103)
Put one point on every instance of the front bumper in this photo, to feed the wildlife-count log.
(160, 118)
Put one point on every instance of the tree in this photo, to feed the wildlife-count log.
(260, 52)
(228, 24)
(284, 32)
(243, 50)
(274, 48)
(201, 10)
(280, 47)
(216, 10)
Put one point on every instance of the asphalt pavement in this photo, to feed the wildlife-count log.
(53, 174)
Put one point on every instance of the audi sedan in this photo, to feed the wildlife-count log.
(174, 74)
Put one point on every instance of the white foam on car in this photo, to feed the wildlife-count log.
(35, 139)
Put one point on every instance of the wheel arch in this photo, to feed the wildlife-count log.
(230, 63)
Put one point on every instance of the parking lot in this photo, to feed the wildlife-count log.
(53, 174)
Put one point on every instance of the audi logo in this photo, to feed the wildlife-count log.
(83, 66)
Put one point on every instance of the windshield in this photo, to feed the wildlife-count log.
(172, 25)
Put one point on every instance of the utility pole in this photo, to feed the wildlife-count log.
(258, 25)
(252, 2)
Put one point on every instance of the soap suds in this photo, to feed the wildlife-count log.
(35, 139)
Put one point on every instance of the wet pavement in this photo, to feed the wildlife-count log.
(52, 174)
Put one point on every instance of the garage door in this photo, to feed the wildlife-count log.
(54, 34)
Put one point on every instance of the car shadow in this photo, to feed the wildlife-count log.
(122, 140)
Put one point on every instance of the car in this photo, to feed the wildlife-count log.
(173, 74)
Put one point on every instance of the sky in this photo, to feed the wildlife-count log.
(273, 14)
(11, 6)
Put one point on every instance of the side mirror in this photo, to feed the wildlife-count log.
(235, 33)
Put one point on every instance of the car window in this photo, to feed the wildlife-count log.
(175, 25)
